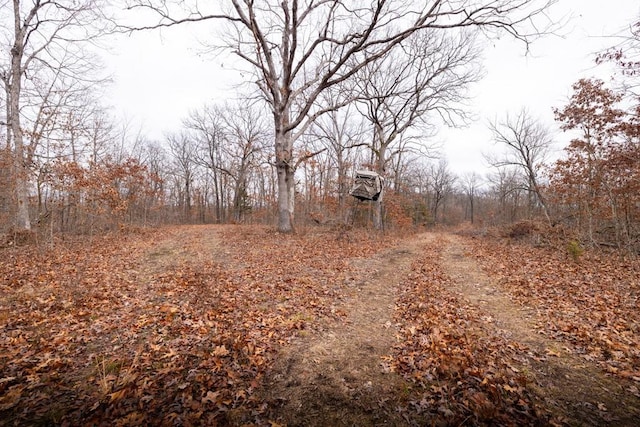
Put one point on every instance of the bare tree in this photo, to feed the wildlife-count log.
(182, 150)
(43, 37)
(442, 182)
(470, 184)
(228, 138)
(341, 132)
(506, 186)
(528, 144)
(246, 134)
(6, 191)
(154, 157)
(208, 130)
(298, 49)
(426, 75)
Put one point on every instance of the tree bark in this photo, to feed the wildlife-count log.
(7, 125)
(21, 167)
(286, 183)
(378, 205)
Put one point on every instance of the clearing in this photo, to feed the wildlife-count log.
(233, 325)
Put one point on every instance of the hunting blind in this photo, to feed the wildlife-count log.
(367, 185)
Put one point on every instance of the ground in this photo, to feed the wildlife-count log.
(568, 385)
(233, 325)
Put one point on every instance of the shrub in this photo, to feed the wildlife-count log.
(575, 249)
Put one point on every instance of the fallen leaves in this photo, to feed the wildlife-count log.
(147, 329)
(462, 370)
(592, 306)
(175, 326)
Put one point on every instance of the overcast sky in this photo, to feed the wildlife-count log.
(541, 79)
(159, 76)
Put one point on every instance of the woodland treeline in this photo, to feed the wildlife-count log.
(69, 167)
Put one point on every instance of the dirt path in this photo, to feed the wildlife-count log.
(573, 388)
(338, 377)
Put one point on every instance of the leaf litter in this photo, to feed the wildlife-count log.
(190, 325)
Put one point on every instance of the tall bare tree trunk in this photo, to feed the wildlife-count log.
(7, 127)
(286, 183)
(378, 205)
(21, 168)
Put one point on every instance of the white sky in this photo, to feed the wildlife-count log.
(159, 77)
(540, 80)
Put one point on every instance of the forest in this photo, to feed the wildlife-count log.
(227, 275)
(69, 167)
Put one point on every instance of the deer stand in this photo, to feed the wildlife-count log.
(367, 186)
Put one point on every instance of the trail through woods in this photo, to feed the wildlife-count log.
(338, 376)
(234, 325)
(568, 385)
